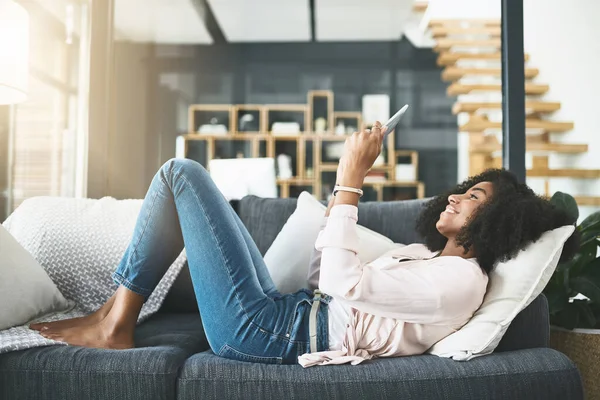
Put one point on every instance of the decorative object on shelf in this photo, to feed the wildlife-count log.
(375, 176)
(239, 154)
(334, 151)
(285, 128)
(286, 119)
(309, 173)
(405, 172)
(284, 166)
(340, 128)
(320, 125)
(210, 119)
(248, 123)
(214, 128)
(407, 165)
(376, 107)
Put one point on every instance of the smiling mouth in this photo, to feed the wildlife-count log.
(450, 210)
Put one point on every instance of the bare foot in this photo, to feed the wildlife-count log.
(91, 319)
(102, 335)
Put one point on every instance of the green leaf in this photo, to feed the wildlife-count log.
(586, 313)
(590, 228)
(587, 287)
(579, 262)
(567, 318)
(567, 203)
(557, 300)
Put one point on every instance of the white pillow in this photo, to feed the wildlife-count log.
(512, 286)
(26, 291)
(288, 258)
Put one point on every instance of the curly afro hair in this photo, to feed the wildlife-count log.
(513, 217)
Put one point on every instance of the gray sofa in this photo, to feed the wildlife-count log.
(173, 361)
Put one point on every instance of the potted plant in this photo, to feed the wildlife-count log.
(574, 299)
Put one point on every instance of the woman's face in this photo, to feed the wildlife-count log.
(460, 208)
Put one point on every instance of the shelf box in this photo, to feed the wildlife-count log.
(249, 118)
(294, 186)
(352, 122)
(279, 119)
(406, 165)
(210, 118)
(320, 107)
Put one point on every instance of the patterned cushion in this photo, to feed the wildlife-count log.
(79, 243)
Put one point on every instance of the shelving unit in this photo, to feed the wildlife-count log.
(311, 171)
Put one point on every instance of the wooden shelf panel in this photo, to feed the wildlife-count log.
(564, 173)
(480, 125)
(420, 6)
(464, 22)
(332, 167)
(455, 73)
(588, 201)
(392, 183)
(445, 44)
(228, 136)
(296, 181)
(443, 31)
(450, 58)
(462, 88)
(565, 148)
(531, 106)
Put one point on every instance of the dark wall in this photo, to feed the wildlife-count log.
(285, 72)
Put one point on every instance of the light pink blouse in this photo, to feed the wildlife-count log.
(397, 308)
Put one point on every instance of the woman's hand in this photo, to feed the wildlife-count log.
(360, 151)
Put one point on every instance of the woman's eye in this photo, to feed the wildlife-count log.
(474, 197)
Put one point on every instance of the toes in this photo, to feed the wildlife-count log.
(38, 327)
(51, 335)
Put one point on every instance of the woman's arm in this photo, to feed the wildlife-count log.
(314, 267)
(352, 168)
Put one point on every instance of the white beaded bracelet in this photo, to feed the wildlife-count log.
(338, 188)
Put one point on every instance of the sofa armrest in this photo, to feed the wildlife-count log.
(530, 374)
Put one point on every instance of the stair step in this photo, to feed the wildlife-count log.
(462, 88)
(587, 201)
(455, 73)
(450, 58)
(564, 173)
(443, 31)
(462, 22)
(420, 6)
(531, 106)
(479, 125)
(564, 148)
(445, 44)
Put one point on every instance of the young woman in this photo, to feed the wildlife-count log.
(400, 304)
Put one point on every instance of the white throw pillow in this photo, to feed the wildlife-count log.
(26, 291)
(513, 285)
(288, 258)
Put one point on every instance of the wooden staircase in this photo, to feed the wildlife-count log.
(469, 52)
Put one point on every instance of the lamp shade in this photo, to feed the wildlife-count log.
(14, 52)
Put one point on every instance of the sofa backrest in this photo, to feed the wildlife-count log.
(264, 218)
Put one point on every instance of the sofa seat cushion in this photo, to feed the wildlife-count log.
(150, 371)
(524, 374)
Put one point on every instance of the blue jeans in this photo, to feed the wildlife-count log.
(244, 316)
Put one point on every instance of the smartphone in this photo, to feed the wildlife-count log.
(392, 122)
